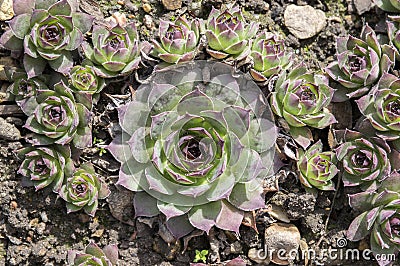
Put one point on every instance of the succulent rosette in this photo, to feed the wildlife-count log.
(46, 166)
(365, 160)
(115, 50)
(269, 56)
(25, 89)
(83, 190)
(382, 107)
(94, 256)
(196, 150)
(388, 5)
(360, 63)
(317, 167)
(301, 98)
(46, 31)
(84, 80)
(380, 218)
(179, 40)
(59, 119)
(228, 34)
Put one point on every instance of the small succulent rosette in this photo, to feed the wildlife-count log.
(317, 167)
(179, 40)
(269, 56)
(380, 218)
(365, 160)
(228, 34)
(360, 63)
(388, 5)
(25, 89)
(115, 50)
(94, 256)
(301, 98)
(83, 190)
(59, 119)
(46, 31)
(194, 150)
(47, 165)
(382, 108)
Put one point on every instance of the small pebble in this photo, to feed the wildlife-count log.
(13, 205)
(146, 8)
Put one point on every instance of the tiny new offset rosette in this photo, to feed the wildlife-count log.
(46, 31)
(196, 145)
(380, 218)
(360, 63)
(94, 256)
(228, 34)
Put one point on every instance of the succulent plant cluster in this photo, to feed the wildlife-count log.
(197, 140)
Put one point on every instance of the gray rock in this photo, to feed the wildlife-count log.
(8, 131)
(363, 6)
(304, 21)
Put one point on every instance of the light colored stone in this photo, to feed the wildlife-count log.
(281, 241)
(6, 10)
(304, 21)
(363, 6)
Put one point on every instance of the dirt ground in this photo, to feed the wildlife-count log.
(34, 226)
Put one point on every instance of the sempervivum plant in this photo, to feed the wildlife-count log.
(228, 34)
(59, 119)
(365, 160)
(388, 5)
(94, 256)
(46, 166)
(46, 31)
(317, 167)
(380, 218)
(196, 150)
(269, 56)
(84, 80)
(179, 40)
(115, 49)
(25, 89)
(360, 63)
(301, 98)
(382, 107)
(83, 190)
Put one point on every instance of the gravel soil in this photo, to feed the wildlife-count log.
(36, 230)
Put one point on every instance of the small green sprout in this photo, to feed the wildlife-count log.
(201, 256)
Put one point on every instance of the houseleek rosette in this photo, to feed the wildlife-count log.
(115, 50)
(393, 28)
(380, 218)
(269, 56)
(84, 80)
(360, 63)
(47, 165)
(83, 190)
(382, 107)
(25, 89)
(179, 40)
(301, 98)
(59, 119)
(365, 160)
(196, 150)
(94, 256)
(317, 167)
(46, 31)
(228, 34)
